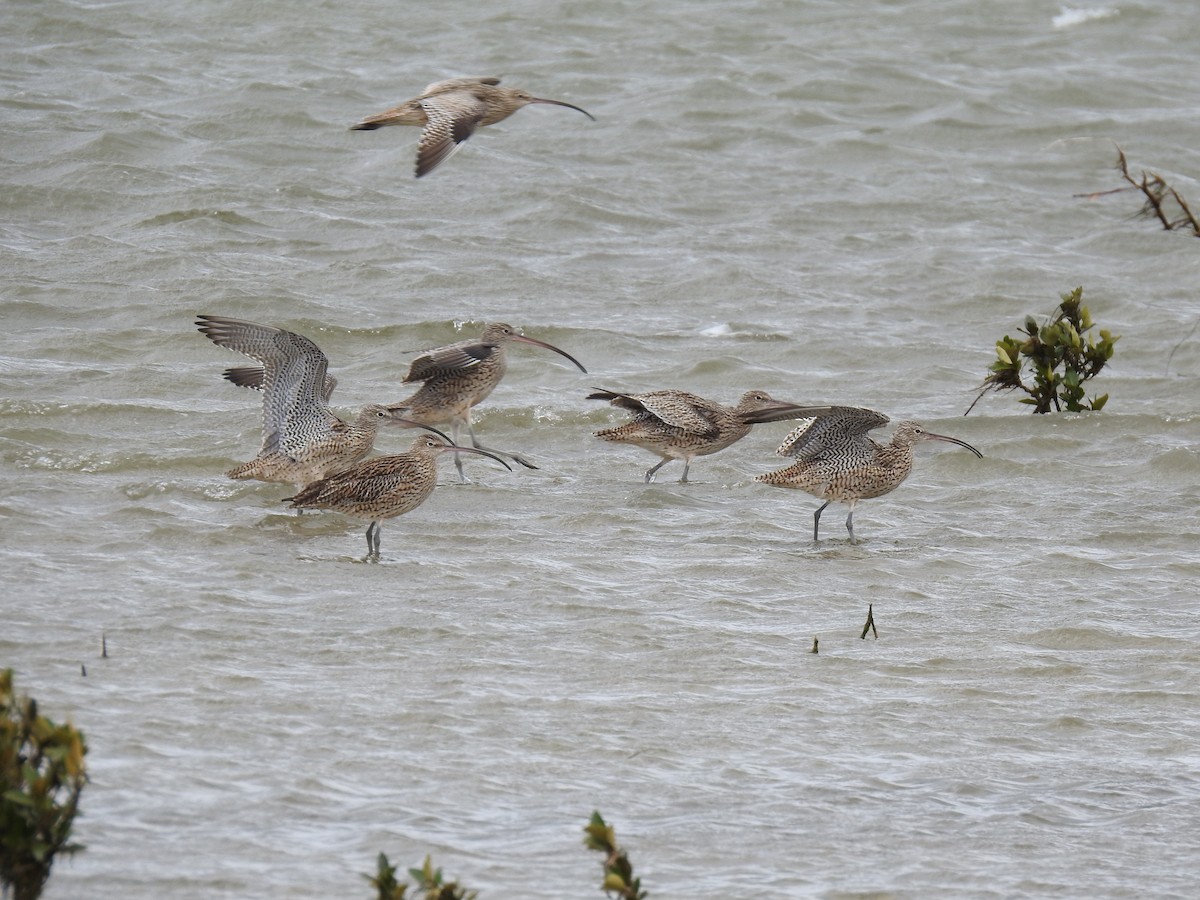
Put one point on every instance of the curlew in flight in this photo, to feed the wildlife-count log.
(449, 111)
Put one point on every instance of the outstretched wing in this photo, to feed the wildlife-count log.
(457, 84)
(842, 432)
(453, 117)
(252, 377)
(677, 409)
(293, 380)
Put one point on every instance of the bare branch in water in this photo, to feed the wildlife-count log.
(1161, 198)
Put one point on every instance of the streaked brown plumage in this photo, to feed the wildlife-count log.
(449, 111)
(303, 441)
(384, 487)
(679, 425)
(459, 376)
(837, 460)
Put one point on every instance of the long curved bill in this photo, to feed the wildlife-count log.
(402, 422)
(567, 105)
(778, 410)
(941, 437)
(543, 344)
(455, 448)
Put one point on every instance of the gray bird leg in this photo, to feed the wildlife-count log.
(455, 430)
(650, 472)
(519, 460)
(817, 520)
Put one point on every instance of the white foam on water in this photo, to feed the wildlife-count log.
(1071, 15)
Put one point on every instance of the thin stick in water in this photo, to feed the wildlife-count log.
(870, 626)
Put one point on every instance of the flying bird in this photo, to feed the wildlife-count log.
(450, 111)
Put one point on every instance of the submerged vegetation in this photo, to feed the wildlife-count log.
(41, 777)
(1061, 355)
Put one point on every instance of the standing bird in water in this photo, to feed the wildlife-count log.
(679, 425)
(303, 441)
(837, 460)
(461, 375)
(384, 487)
(449, 111)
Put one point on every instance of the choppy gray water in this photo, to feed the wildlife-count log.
(833, 202)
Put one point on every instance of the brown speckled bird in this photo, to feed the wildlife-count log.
(449, 111)
(837, 460)
(384, 487)
(679, 425)
(461, 375)
(303, 441)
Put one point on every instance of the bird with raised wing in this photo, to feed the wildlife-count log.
(303, 440)
(678, 425)
(837, 460)
(459, 376)
(384, 487)
(252, 377)
(449, 112)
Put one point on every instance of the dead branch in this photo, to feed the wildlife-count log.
(870, 626)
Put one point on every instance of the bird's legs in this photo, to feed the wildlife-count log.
(654, 468)
(455, 429)
(687, 464)
(849, 521)
(373, 540)
(817, 520)
(299, 488)
(517, 458)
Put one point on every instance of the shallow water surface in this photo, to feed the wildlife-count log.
(832, 204)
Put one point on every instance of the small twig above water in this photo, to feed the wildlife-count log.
(870, 625)
(1182, 341)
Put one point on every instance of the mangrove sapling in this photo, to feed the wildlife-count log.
(1061, 354)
